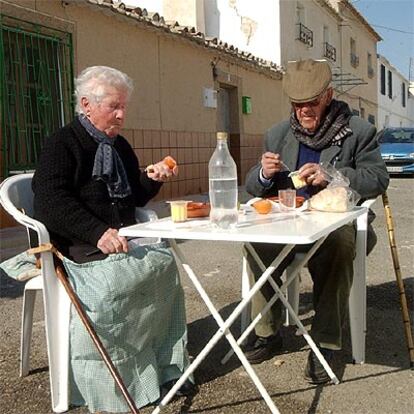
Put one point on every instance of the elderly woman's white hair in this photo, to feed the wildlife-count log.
(93, 82)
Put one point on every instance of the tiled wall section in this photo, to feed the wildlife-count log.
(251, 149)
(192, 150)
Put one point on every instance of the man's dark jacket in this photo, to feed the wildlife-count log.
(76, 209)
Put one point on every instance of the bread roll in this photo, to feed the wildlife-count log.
(330, 199)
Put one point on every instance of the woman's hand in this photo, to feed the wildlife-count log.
(271, 164)
(112, 242)
(313, 175)
(161, 171)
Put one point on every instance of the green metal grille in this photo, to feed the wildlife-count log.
(36, 89)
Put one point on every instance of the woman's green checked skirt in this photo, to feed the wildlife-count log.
(136, 305)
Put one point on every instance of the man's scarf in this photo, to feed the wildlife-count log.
(108, 166)
(332, 131)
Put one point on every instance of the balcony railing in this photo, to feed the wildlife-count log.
(354, 60)
(329, 51)
(305, 35)
(370, 72)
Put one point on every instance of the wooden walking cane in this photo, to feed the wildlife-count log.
(400, 283)
(63, 277)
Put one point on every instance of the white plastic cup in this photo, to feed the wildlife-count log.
(287, 199)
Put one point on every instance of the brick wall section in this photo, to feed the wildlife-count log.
(251, 149)
(192, 150)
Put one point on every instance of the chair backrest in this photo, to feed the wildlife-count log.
(16, 194)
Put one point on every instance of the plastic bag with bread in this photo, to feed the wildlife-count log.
(338, 196)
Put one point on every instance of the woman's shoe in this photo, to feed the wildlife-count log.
(187, 389)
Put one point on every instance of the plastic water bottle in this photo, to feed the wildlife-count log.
(222, 174)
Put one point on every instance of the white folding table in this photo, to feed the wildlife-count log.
(290, 229)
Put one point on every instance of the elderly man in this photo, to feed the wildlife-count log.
(320, 129)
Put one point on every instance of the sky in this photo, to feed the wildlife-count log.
(398, 15)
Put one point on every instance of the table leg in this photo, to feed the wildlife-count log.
(358, 293)
(269, 304)
(280, 295)
(224, 327)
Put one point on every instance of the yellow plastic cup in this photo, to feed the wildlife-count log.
(178, 210)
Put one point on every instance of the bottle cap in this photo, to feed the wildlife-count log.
(221, 135)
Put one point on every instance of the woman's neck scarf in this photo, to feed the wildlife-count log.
(332, 131)
(108, 166)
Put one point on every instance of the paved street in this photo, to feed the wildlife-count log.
(383, 385)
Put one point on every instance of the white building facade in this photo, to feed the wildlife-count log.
(395, 102)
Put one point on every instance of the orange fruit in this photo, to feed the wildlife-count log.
(170, 161)
(262, 206)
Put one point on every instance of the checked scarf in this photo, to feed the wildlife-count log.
(332, 131)
(108, 165)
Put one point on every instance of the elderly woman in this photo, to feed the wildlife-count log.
(86, 186)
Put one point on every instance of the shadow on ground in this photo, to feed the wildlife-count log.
(10, 288)
(385, 341)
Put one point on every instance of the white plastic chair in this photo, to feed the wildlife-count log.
(16, 196)
(357, 298)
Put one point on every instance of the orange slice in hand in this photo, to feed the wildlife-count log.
(170, 161)
(262, 206)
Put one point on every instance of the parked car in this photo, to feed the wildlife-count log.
(397, 149)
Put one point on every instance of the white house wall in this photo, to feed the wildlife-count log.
(391, 112)
(245, 25)
(315, 17)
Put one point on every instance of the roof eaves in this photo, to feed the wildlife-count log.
(362, 19)
(328, 6)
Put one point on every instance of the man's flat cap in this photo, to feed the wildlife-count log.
(305, 80)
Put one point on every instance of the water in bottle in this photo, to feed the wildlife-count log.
(222, 173)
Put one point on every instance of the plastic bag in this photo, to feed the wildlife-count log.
(21, 267)
(338, 196)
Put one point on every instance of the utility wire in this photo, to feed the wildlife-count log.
(392, 29)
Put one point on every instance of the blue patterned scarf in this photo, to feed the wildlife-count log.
(108, 165)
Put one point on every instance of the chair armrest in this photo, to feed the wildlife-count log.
(27, 221)
(368, 203)
(145, 214)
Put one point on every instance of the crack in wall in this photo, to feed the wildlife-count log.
(248, 26)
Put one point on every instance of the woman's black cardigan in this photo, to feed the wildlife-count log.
(76, 209)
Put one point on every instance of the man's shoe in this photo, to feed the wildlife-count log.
(264, 348)
(314, 371)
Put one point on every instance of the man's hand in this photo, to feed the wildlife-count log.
(161, 171)
(271, 164)
(313, 175)
(112, 242)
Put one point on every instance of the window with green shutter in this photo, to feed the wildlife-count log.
(36, 85)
